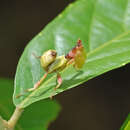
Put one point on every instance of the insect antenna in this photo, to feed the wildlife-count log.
(38, 57)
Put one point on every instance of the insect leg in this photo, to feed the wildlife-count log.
(70, 62)
(38, 83)
(19, 95)
(59, 81)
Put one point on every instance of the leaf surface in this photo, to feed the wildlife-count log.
(103, 27)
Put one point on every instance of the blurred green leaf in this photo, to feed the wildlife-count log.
(104, 28)
(126, 124)
(38, 116)
(6, 104)
(35, 117)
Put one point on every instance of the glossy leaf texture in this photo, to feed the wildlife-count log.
(104, 28)
(37, 116)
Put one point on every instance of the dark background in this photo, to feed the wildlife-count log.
(102, 103)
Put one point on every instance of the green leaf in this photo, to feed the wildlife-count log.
(104, 28)
(35, 117)
(38, 116)
(126, 125)
(6, 104)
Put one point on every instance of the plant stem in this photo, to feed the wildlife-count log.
(13, 120)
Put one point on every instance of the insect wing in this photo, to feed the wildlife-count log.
(80, 58)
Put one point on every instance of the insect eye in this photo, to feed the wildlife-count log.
(53, 53)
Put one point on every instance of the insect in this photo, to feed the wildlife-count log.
(52, 63)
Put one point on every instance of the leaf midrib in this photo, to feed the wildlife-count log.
(109, 42)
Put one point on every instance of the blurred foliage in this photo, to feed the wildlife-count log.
(37, 116)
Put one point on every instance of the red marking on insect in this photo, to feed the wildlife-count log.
(77, 54)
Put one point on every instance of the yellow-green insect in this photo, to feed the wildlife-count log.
(52, 63)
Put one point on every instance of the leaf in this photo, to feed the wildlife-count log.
(35, 117)
(6, 104)
(126, 124)
(38, 116)
(104, 28)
